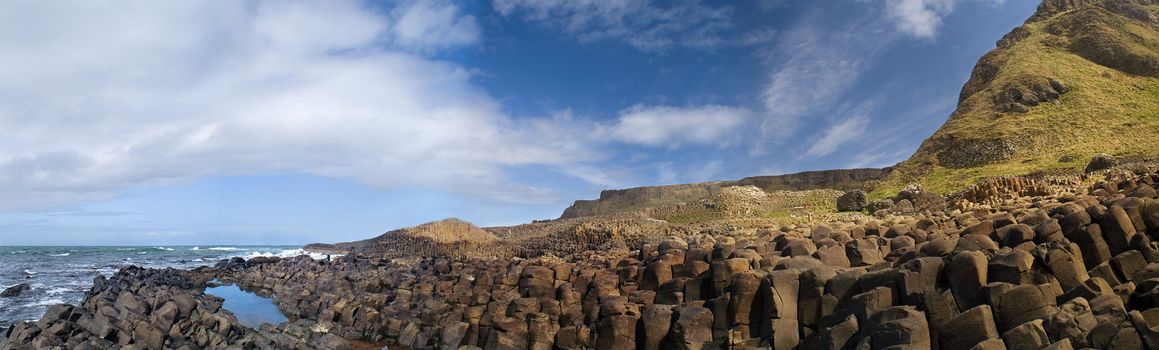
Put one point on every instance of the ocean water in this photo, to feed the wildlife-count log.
(64, 274)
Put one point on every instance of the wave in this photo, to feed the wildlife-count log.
(46, 302)
(196, 248)
(29, 272)
(288, 253)
(166, 249)
(61, 254)
(228, 249)
(57, 291)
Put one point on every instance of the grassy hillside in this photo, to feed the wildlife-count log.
(1107, 56)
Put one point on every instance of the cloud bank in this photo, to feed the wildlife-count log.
(109, 96)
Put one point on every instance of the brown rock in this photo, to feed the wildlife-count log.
(900, 326)
(967, 274)
(617, 332)
(1029, 335)
(692, 329)
(968, 329)
(655, 324)
(1117, 229)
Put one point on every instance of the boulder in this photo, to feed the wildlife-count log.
(854, 200)
(692, 329)
(968, 329)
(1029, 335)
(655, 323)
(15, 291)
(841, 336)
(1022, 304)
(749, 303)
(967, 274)
(863, 252)
(1101, 161)
(786, 285)
(902, 327)
(617, 332)
(1117, 229)
(1074, 321)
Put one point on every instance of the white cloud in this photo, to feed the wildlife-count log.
(431, 24)
(638, 23)
(678, 126)
(848, 130)
(816, 68)
(920, 18)
(100, 97)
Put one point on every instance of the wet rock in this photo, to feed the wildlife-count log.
(15, 291)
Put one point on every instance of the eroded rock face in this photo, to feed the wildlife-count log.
(964, 153)
(616, 201)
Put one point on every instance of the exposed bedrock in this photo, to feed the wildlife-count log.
(1073, 270)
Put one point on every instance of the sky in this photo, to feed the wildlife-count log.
(140, 122)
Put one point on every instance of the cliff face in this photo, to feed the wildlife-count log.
(1078, 78)
(615, 201)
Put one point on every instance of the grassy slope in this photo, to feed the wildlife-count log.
(1105, 111)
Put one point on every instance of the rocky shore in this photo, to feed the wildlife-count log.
(1076, 269)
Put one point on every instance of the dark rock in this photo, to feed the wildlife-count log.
(967, 273)
(854, 200)
(1101, 161)
(692, 329)
(968, 329)
(901, 327)
(15, 291)
(1029, 335)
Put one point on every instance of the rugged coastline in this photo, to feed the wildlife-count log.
(1020, 239)
(1073, 269)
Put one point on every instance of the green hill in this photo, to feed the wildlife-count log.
(1080, 77)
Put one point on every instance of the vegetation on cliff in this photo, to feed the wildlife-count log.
(1077, 79)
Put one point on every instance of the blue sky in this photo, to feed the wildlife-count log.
(288, 122)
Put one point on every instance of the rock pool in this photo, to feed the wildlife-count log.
(251, 310)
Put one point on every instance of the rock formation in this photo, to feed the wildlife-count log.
(1077, 78)
(617, 201)
(1042, 261)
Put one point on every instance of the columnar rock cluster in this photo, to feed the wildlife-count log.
(155, 309)
(1062, 271)
(1068, 271)
(998, 190)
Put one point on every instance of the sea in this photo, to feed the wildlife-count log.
(63, 274)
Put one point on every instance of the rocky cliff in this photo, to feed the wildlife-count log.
(1078, 78)
(616, 201)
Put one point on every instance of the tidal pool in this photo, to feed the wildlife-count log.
(251, 310)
